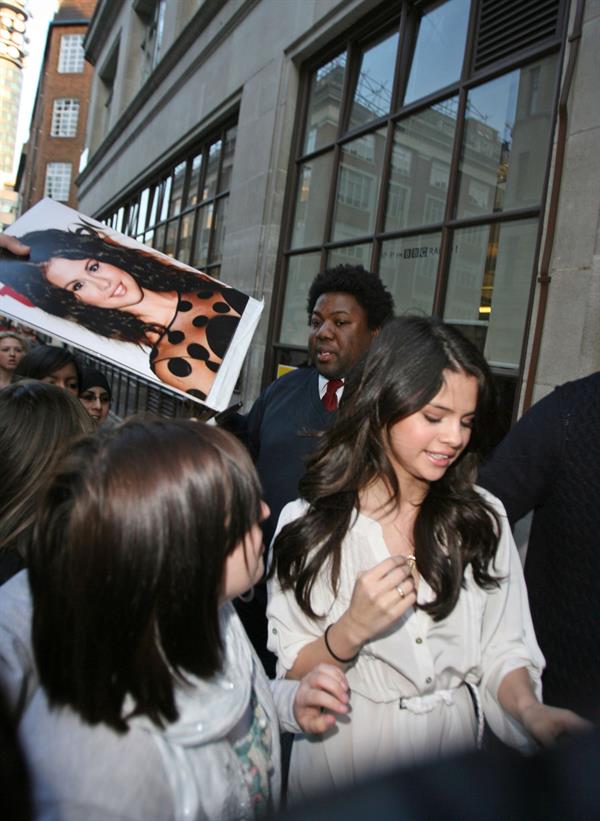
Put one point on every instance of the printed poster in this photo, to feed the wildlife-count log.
(108, 294)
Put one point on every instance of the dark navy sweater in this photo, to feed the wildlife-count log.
(550, 463)
(280, 432)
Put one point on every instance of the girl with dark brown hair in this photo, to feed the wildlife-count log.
(37, 421)
(151, 701)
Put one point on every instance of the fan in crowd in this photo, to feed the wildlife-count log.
(151, 702)
(12, 350)
(37, 421)
(95, 394)
(53, 365)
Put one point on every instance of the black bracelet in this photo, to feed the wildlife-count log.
(330, 651)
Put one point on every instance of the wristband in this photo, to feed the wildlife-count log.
(330, 651)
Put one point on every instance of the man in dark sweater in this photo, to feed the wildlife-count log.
(346, 308)
(549, 463)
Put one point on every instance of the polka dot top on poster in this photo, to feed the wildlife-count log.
(189, 353)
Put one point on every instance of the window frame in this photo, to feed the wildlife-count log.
(70, 59)
(158, 216)
(354, 42)
(53, 166)
(69, 115)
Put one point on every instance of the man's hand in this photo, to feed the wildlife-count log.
(13, 245)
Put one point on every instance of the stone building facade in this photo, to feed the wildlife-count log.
(449, 146)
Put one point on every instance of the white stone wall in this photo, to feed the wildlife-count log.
(571, 336)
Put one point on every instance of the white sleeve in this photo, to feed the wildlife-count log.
(18, 673)
(289, 629)
(507, 637)
(284, 694)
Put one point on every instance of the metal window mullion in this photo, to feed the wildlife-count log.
(211, 235)
(337, 153)
(441, 284)
(221, 158)
(381, 206)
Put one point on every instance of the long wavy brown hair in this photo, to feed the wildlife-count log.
(455, 527)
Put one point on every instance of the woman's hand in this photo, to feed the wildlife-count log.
(13, 245)
(548, 724)
(324, 688)
(380, 597)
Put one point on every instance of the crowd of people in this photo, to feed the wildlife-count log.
(156, 658)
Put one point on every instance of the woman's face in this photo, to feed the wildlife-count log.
(11, 353)
(244, 566)
(94, 282)
(96, 401)
(422, 446)
(65, 377)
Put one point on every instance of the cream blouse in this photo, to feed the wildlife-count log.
(408, 697)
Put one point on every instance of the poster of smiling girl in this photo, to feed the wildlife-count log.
(108, 294)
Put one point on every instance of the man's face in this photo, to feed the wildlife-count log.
(339, 334)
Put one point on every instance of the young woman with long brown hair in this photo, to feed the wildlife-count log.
(397, 569)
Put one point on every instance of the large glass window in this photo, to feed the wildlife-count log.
(439, 50)
(359, 179)
(505, 147)
(413, 165)
(301, 272)
(420, 167)
(408, 266)
(488, 286)
(373, 93)
(183, 212)
(311, 201)
(324, 104)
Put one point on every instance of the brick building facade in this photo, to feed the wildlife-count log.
(50, 159)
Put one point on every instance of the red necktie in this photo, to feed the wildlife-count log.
(329, 400)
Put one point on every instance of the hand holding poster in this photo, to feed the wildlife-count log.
(104, 292)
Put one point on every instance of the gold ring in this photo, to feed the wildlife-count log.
(401, 591)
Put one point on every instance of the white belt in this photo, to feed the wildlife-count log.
(419, 705)
(425, 704)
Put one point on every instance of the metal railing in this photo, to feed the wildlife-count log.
(134, 394)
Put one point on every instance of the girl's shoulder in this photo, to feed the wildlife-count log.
(493, 501)
(289, 513)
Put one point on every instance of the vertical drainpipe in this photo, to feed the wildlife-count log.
(543, 276)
